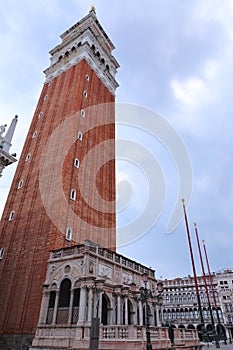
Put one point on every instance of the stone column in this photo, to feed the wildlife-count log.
(82, 305)
(100, 306)
(126, 311)
(44, 307)
(140, 313)
(55, 307)
(71, 306)
(118, 308)
(90, 304)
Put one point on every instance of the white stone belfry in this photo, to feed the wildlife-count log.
(5, 144)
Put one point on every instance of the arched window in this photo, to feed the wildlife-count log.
(75, 310)
(80, 136)
(73, 194)
(182, 313)
(64, 302)
(20, 184)
(11, 216)
(52, 297)
(164, 315)
(2, 251)
(196, 315)
(76, 163)
(28, 156)
(173, 314)
(69, 234)
(216, 296)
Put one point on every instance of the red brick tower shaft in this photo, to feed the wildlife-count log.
(50, 204)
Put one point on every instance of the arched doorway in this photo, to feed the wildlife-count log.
(210, 332)
(129, 305)
(191, 326)
(181, 326)
(130, 312)
(146, 315)
(200, 332)
(52, 297)
(221, 332)
(105, 309)
(64, 302)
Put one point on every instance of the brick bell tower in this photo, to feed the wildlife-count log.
(63, 191)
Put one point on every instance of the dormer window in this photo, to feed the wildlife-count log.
(34, 134)
(87, 77)
(83, 113)
(85, 94)
(45, 97)
(40, 114)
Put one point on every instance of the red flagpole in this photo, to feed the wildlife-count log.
(210, 276)
(206, 287)
(212, 288)
(194, 270)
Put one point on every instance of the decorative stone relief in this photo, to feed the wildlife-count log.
(53, 268)
(105, 271)
(117, 276)
(91, 267)
(127, 278)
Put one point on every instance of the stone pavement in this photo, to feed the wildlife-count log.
(222, 346)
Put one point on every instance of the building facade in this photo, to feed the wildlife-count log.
(180, 305)
(225, 290)
(88, 282)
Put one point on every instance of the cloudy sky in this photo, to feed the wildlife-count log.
(176, 59)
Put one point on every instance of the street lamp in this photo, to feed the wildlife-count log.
(145, 295)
